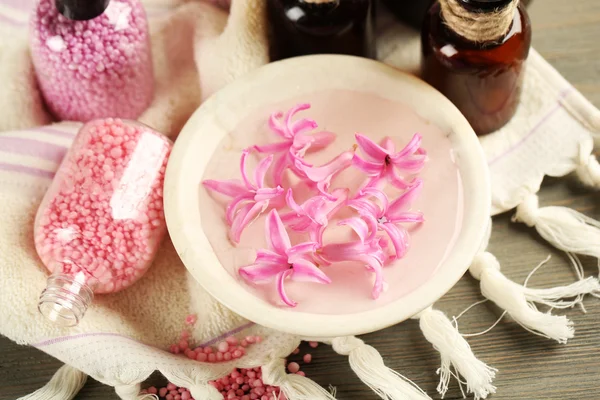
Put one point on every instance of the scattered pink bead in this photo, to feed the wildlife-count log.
(227, 356)
(219, 356)
(296, 351)
(250, 339)
(223, 347)
(191, 319)
(152, 390)
(301, 373)
(202, 357)
(314, 345)
(169, 397)
(185, 334)
(185, 396)
(171, 386)
(244, 343)
(293, 367)
(307, 358)
(177, 397)
(232, 340)
(237, 354)
(162, 392)
(212, 357)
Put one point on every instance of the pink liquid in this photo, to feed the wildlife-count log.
(345, 113)
(102, 218)
(96, 68)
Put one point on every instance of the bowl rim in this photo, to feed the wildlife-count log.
(188, 237)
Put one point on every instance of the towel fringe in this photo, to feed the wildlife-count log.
(64, 385)
(293, 386)
(588, 171)
(562, 227)
(132, 392)
(519, 301)
(455, 353)
(368, 365)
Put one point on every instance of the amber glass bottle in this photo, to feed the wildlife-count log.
(483, 79)
(301, 27)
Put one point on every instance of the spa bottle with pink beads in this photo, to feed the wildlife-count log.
(101, 221)
(92, 58)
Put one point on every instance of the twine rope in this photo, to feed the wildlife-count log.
(478, 27)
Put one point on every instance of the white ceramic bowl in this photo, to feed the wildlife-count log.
(220, 115)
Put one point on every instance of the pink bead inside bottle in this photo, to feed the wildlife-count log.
(92, 68)
(101, 221)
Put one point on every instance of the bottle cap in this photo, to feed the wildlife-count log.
(485, 5)
(81, 10)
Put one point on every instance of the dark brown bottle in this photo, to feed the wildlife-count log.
(301, 27)
(484, 80)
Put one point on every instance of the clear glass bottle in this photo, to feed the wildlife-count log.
(92, 58)
(101, 221)
(302, 27)
(483, 79)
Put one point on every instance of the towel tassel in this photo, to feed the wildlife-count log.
(64, 385)
(562, 227)
(455, 353)
(588, 171)
(519, 301)
(132, 392)
(293, 386)
(368, 365)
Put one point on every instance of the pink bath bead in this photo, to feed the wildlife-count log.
(183, 345)
(232, 341)
(296, 351)
(257, 339)
(212, 358)
(243, 343)
(227, 356)
(251, 374)
(174, 392)
(253, 396)
(96, 68)
(314, 345)
(307, 358)
(169, 397)
(257, 383)
(152, 390)
(177, 397)
(202, 357)
(219, 356)
(250, 339)
(208, 350)
(185, 334)
(235, 374)
(191, 354)
(237, 354)
(245, 397)
(171, 386)
(239, 380)
(259, 390)
(185, 396)
(223, 347)
(293, 367)
(163, 392)
(301, 373)
(191, 319)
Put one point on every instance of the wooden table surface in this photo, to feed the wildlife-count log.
(567, 34)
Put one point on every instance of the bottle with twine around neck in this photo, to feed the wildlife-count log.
(474, 52)
(302, 27)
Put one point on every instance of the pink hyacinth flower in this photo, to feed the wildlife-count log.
(283, 260)
(385, 216)
(382, 161)
(296, 141)
(369, 252)
(249, 199)
(322, 176)
(313, 215)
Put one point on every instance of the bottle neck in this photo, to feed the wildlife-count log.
(81, 10)
(65, 299)
(477, 21)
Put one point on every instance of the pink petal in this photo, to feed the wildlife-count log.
(316, 235)
(292, 112)
(231, 187)
(377, 269)
(409, 217)
(265, 194)
(300, 249)
(306, 271)
(358, 225)
(272, 148)
(243, 160)
(388, 144)
(368, 167)
(411, 148)
(247, 219)
(370, 148)
(414, 164)
(277, 236)
(404, 201)
(279, 168)
(236, 229)
(281, 290)
(276, 126)
(379, 195)
(320, 140)
(366, 207)
(261, 272)
(264, 256)
(398, 236)
(302, 125)
(319, 174)
(232, 207)
(396, 180)
(289, 199)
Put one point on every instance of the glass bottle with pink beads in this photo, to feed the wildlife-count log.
(101, 221)
(92, 58)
